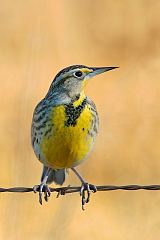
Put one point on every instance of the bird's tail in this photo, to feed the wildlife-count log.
(57, 176)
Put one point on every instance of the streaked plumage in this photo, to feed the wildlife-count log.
(65, 124)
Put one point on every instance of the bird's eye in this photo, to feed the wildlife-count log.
(78, 74)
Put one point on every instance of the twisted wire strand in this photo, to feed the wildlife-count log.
(69, 189)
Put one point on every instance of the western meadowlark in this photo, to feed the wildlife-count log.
(64, 128)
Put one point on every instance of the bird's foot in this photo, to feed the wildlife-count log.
(43, 187)
(86, 188)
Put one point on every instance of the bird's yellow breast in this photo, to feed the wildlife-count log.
(67, 145)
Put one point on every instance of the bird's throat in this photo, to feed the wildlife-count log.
(74, 109)
(79, 99)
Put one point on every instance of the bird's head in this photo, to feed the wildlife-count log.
(72, 79)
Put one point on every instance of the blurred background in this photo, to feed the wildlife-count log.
(39, 38)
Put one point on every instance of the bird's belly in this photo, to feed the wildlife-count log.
(68, 145)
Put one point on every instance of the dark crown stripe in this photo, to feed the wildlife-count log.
(67, 69)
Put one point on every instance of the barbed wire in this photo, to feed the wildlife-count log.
(69, 189)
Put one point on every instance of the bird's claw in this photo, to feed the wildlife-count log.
(86, 188)
(42, 188)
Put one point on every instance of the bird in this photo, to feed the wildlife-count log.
(64, 128)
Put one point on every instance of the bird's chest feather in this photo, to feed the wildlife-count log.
(69, 141)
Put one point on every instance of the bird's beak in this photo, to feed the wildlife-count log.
(99, 70)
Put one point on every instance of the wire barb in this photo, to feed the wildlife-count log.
(69, 189)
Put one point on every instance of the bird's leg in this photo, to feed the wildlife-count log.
(86, 187)
(43, 187)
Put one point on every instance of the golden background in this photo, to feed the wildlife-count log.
(37, 39)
